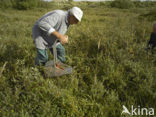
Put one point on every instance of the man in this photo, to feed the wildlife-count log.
(152, 42)
(51, 27)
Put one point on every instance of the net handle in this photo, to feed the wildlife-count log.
(55, 53)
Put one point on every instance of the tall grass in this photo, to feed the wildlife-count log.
(106, 51)
(22, 4)
(126, 4)
(123, 4)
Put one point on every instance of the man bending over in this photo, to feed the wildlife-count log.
(51, 27)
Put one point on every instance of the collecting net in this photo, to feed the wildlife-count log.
(51, 69)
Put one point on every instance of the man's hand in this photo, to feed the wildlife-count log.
(63, 38)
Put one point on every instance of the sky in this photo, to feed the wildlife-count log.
(94, 0)
(80, 0)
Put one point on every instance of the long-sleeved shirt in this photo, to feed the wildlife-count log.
(42, 30)
(152, 40)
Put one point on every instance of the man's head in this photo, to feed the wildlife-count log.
(154, 27)
(75, 15)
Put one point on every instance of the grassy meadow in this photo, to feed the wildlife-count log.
(106, 50)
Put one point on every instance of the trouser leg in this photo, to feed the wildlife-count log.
(60, 52)
(42, 57)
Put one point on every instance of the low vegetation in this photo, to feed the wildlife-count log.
(106, 50)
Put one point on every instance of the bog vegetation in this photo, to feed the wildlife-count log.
(106, 51)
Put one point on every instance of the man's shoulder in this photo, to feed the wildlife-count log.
(55, 12)
(60, 12)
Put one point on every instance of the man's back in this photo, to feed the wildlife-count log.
(54, 20)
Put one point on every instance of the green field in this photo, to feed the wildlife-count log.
(106, 51)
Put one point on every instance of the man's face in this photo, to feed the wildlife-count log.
(72, 20)
(154, 29)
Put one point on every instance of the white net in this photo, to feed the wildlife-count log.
(52, 70)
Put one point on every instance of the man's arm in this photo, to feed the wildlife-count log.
(47, 24)
(63, 38)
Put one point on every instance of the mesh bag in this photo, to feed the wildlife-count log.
(51, 70)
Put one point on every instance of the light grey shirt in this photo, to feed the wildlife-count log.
(53, 21)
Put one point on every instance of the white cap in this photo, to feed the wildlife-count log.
(77, 12)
